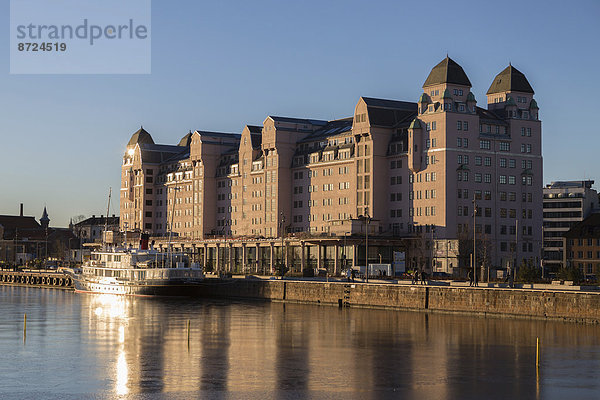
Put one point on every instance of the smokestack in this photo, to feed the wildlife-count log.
(21, 210)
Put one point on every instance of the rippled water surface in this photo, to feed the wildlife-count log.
(106, 346)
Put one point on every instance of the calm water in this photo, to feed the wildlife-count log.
(104, 346)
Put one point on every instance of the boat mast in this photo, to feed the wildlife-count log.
(106, 219)
(170, 253)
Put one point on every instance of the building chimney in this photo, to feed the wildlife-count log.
(21, 214)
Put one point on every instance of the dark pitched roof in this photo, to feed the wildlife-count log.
(158, 153)
(298, 120)
(390, 113)
(395, 104)
(101, 220)
(23, 227)
(447, 71)
(332, 128)
(254, 128)
(220, 134)
(141, 136)
(511, 79)
(491, 116)
(588, 228)
(10, 222)
(256, 139)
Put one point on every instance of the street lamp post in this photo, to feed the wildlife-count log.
(282, 228)
(474, 241)
(367, 218)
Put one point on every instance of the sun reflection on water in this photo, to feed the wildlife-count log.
(110, 316)
(122, 372)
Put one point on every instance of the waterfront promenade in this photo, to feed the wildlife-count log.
(535, 301)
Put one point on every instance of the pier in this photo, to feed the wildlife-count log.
(41, 279)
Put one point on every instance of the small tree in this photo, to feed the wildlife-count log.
(527, 272)
(570, 274)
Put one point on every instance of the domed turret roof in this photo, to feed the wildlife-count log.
(415, 124)
(447, 71)
(533, 105)
(510, 80)
(141, 136)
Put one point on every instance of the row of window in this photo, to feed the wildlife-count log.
(420, 211)
(588, 242)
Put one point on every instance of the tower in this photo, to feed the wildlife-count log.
(45, 221)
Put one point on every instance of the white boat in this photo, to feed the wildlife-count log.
(140, 273)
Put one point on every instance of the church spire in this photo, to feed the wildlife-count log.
(45, 221)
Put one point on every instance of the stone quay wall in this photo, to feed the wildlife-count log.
(521, 303)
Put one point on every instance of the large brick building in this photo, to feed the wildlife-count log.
(416, 170)
(582, 247)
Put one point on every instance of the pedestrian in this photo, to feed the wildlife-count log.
(470, 275)
(413, 277)
(352, 274)
(423, 277)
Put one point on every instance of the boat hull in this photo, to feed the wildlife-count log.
(150, 288)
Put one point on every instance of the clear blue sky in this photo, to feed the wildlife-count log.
(219, 65)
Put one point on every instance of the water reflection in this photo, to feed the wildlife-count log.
(111, 345)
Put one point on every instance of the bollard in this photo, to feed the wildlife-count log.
(537, 353)
(188, 332)
(25, 325)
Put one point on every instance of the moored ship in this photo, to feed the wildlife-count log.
(140, 272)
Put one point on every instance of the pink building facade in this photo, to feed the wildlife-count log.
(417, 171)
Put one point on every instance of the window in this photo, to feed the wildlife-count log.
(459, 125)
(478, 178)
(504, 146)
(512, 180)
(502, 179)
(465, 125)
(484, 144)
(512, 163)
(503, 163)
(478, 160)
(458, 142)
(488, 161)
(487, 178)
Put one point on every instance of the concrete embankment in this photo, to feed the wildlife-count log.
(522, 303)
(36, 279)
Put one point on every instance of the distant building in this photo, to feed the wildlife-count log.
(582, 244)
(90, 229)
(418, 170)
(23, 239)
(566, 203)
